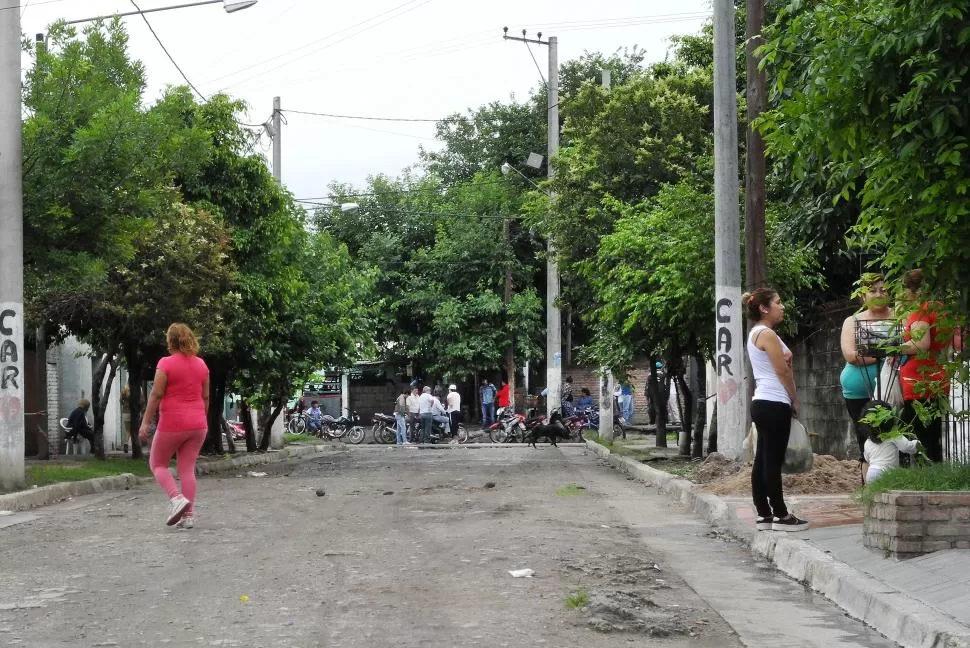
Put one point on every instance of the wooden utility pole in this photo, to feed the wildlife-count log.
(510, 351)
(754, 193)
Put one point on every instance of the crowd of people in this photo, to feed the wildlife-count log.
(894, 352)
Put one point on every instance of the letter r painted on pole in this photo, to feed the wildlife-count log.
(8, 378)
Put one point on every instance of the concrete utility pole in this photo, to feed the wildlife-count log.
(277, 150)
(727, 262)
(12, 438)
(553, 316)
(507, 298)
(756, 273)
(607, 383)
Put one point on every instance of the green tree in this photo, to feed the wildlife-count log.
(868, 97)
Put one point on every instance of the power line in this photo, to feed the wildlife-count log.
(364, 117)
(408, 191)
(165, 49)
(34, 2)
(541, 76)
(380, 19)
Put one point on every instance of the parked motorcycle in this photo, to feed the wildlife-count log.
(336, 428)
(384, 429)
(508, 428)
(459, 435)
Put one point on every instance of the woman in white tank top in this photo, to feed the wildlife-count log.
(772, 408)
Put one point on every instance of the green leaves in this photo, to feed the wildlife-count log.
(872, 97)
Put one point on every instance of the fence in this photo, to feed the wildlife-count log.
(956, 427)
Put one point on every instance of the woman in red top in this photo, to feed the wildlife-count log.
(922, 376)
(502, 397)
(181, 396)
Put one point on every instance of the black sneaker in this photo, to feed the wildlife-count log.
(790, 523)
(763, 523)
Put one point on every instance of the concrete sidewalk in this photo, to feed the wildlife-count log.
(918, 603)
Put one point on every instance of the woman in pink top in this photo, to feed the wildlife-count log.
(181, 396)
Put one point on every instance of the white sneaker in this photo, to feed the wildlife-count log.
(176, 509)
(187, 522)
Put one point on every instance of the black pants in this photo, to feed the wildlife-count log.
(930, 435)
(855, 407)
(773, 420)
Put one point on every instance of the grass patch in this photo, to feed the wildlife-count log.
(578, 599)
(298, 438)
(936, 477)
(571, 490)
(44, 474)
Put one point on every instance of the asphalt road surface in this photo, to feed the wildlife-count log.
(405, 547)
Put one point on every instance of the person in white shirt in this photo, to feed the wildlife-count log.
(440, 414)
(414, 411)
(774, 404)
(453, 401)
(426, 405)
(883, 455)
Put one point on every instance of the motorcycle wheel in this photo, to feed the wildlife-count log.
(377, 432)
(356, 434)
(299, 426)
(498, 435)
(618, 431)
(387, 436)
(462, 435)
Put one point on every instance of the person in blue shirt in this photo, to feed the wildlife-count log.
(487, 392)
(314, 417)
(585, 401)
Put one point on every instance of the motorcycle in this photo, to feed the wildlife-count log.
(459, 435)
(593, 422)
(336, 428)
(384, 428)
(508, 428)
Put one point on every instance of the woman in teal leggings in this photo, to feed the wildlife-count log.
(861, 335)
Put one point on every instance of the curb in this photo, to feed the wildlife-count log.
(54, 493)
(899, 617)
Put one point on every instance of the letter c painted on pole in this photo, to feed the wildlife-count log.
(721, 304)
(4, 329)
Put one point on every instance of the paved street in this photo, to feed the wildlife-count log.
(407, 547)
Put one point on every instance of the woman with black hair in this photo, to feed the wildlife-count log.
(772, 408)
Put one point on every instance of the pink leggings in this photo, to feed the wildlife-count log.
(185, 446)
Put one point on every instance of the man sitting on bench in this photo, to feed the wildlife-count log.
(78, 421)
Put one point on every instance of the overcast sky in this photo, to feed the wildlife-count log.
(382, 58)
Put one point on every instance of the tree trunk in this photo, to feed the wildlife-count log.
(653, 388)
(685, 396)
(247, 420)
(699, 378)
(712, 433)
(266, 424)
(217, 396)
(100, 394)
(135, 383)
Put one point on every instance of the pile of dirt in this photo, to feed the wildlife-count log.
(716, 467)
(829, 476)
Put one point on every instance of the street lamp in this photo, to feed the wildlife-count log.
(230, 6)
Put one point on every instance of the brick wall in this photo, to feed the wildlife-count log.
(587, 377)
(818, 362)
(909, 523)
(55, 437)
(367, 399)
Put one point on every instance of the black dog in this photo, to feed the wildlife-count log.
(554, 429)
